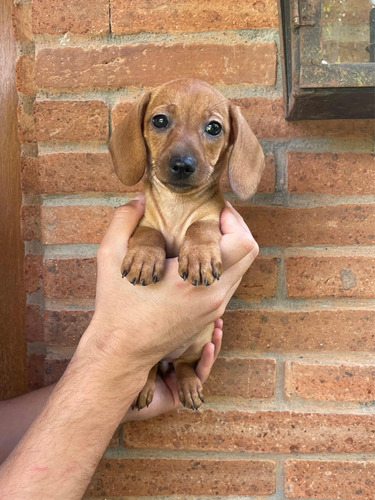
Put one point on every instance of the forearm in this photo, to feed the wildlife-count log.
(58, 455)
(16, 416)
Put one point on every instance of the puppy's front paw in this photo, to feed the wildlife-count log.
(200, 264)
(143, 264)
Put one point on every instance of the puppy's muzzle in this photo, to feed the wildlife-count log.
(182, 167)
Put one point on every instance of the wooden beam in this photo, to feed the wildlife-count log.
(12, 295)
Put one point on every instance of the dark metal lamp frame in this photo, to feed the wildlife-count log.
(315, 89)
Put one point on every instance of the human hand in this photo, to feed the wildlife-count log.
(134, 327)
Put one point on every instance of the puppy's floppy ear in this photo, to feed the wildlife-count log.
(127, 145)
(246, 161)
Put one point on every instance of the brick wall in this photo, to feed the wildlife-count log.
(290, 411)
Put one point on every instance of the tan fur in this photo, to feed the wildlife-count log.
(182, 218)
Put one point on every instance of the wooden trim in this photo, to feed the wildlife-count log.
(12, 295)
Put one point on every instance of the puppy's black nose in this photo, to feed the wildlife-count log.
(182, 166)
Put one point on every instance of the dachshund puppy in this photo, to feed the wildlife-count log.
(182, 136)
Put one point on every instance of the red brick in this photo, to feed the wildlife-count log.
(115, 440)
(138, 477)
(64, 278)
(54, 369)
(117, 66)
(72, 172)
(21, 17)
(296, 331)
(71, 121)
(29, 175)
(35, 371)
(242, 377)
(313, 277)
(330, 383)
(26, 126)
(331, 173)
(72, 16)
(271, 226)
(266, 117)
(261, 432)
(74, 224)
(25, 74)
(33, 323)
(312, 226)
(65, 328)
(30, 222)
(330, 479)
(259, 281)
(130, 17)
(33, 269)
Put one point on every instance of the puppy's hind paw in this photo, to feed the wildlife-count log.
(190, 392)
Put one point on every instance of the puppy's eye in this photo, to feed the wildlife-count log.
(213, 128)
(160, 121)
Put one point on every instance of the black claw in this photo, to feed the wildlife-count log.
(206, 283)
(155, 279)
(201, 398)
(124, 273)
(184, 276)
(133, 281)
(143, 283)
(217, 276)
(195, 282)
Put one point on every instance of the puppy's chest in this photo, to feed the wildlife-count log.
(173, 227)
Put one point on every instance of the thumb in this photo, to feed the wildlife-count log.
(122, 226)
(237, 241)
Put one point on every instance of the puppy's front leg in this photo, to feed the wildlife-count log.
(145, 257)
(200, 258)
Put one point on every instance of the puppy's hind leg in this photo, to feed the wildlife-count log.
(189, 386)
(146, 395)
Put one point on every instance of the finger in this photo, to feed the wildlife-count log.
(237, 240)
(206, 362)
(219, 323)
(217, 338)
(122, 226)
(226, 216)
(220, 310)
(235, 272)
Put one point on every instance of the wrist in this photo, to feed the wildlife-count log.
(109, 360)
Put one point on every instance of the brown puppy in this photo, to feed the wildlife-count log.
(183, 135)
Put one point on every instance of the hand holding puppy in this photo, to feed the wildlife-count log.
(144, 324)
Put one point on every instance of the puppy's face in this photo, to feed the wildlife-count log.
(186, 130)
